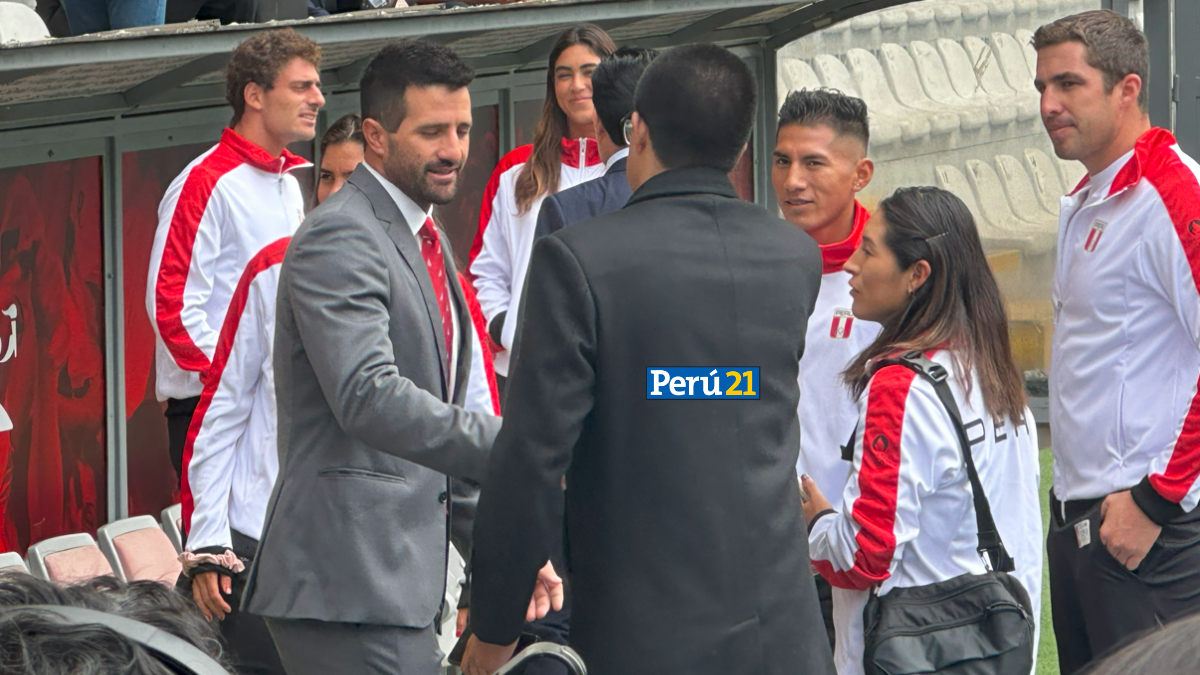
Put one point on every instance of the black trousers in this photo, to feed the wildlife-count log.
(825, 597)
(1098, 604)
(247, 640)
(179, 417)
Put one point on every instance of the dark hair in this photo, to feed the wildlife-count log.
(404, 64)
(540, 174)
(1173, 648)
(37, 644)
(613, 83)
(958, 307)
(260, 60)
(1114, 44)
(347, 129)
(698, 101)
(846, 115)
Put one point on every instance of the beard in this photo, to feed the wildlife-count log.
(412, 176)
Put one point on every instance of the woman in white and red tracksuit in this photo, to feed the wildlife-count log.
(563, 154)
(906, 517)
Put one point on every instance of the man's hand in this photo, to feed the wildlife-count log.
(484, 658)
(206, 590)
(547, 593)
(816, 500)
(460, 622)
(1125, 531)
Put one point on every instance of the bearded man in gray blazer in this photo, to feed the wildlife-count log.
(373, 342)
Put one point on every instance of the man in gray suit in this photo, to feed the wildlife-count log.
(372, 352)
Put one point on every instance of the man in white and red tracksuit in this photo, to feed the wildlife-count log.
(819, 166)
(231, 460)
(1124, 540)
(225, 206)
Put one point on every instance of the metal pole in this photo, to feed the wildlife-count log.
(114, 334)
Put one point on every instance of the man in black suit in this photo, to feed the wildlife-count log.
(685, 541)
(613, 84)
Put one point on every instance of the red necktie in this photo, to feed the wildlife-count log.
(431, 251)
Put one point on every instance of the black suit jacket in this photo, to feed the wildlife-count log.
(586, 200)
(686, 545)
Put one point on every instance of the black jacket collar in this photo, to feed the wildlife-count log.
(617, 167)
(677, 182)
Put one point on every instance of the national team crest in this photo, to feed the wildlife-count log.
(1094, 235)
(842, 319)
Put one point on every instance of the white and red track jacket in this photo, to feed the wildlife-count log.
(1125, 360)
(906, 517)
(231, 459)
(482, 394)
(505, 236)
(827, 412)
(216, 215)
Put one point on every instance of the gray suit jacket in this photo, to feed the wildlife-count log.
(356, 530)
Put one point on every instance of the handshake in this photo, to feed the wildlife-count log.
(484, 658)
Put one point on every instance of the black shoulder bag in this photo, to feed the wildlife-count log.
(973, 624)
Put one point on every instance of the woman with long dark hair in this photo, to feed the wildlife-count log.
(907, 517)
(563, 154)
(341, 153)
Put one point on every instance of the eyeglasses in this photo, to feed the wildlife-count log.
(627, 127)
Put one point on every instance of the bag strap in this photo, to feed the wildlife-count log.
(991, 548)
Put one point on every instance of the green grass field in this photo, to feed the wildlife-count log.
(1047, 659)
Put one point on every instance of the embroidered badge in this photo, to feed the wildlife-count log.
(842, 320)
(1094, 235)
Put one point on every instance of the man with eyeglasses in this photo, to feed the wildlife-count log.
(613, 84)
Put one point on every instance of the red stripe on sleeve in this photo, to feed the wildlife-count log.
(271, 254)
(518, 156)
(480, 323)
(875, 508)
(176, 260)
(1177, 187)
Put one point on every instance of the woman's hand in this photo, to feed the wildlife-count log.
(816, 500)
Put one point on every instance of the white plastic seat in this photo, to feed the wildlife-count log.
(1021, 196)
(13, 562)
(19, 23)
(872, 83)
(961, 70)
(67, 560)
(1046, 183)
(138, 549)
(951, 179)
(172, 524)
(1001, 15)
(985, 64)
(936, 82)
(995, 207)
(906, 82)
(1011, 59)
(1025, 40)
(833, 74)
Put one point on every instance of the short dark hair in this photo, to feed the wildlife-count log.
(347, 129)
(1114, 44)
(614, 82)
(404, 64)
(698, 101)
(45, 646)
(260, 60)
(846, 115)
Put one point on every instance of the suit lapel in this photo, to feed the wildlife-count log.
(398, 231)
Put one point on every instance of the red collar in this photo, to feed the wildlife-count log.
(570, 152)
(255, 156)
(1147, 146)
(833, 256)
